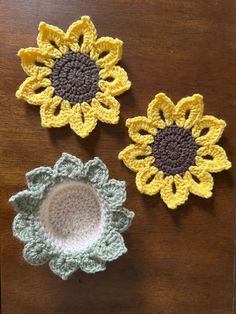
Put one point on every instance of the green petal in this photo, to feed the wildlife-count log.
(36, 253)
(113, 193)
(96, 171)
(23, 227)
(121, 219)
(92, 264)
(26, 201)
(111, 247)
(68, 166)
(64, 266)
(39, 178)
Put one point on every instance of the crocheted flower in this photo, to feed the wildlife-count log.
(73, 77)
(175, 149)
(71, 215)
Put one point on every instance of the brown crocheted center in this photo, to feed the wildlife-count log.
(75, 77)
(174, 149)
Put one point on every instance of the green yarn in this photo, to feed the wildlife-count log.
(40, 247)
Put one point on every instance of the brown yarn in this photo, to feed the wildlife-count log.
(75, 77)
(174, 150)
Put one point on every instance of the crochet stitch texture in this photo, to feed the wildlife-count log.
(175, 149)
(73, 77)
(71, 216)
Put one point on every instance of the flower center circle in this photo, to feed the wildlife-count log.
(174, 150)
(75, 77)
(72, 215)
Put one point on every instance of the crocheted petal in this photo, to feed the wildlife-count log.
(112, 48)
(111, 247)
(189, 111)
(35, 90)
(52, 40)
(35, 62)
(161, 111)
(23, 227)
(68, 166)
(131, 156)
(106, 108)
(199, 182)
(96, 171)
(137, 124)
(39, 178)
(174, 191)
(212, 158)
(26, 201)
(119, 80)
(214, 127)
(113, 193)
(82, 119)
(49, 112)
(64, 266)
(149, 180)
(122, 219)
(84, 29)
(36, 253)
(91, 264)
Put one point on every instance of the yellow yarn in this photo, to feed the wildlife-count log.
(38, 63)
(187, 114)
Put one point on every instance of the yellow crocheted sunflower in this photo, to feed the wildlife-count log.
(73, 76)
(175, 149)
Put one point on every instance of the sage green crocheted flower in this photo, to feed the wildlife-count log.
(71, 216)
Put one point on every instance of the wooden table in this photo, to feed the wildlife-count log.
(179, 262)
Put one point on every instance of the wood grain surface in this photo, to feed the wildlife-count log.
(179, 262)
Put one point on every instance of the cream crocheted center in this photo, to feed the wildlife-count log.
(72, 216)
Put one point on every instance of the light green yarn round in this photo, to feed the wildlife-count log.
(40, 248)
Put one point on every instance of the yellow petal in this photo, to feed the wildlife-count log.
(212, 158)
(52, 40)
(113, 48)
(215, 129)
(135, 125)
(161, 111)
(200, 182)
(174, 198)
(131, 157)
(82, 119)
(83, 28)
(48, 114)
(119, 83)
(149, 180)
(189, 111)
(30, 90)
(35, 62)
(106, 108)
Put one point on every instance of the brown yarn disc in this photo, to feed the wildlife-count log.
(174, 149)
(75, 77)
